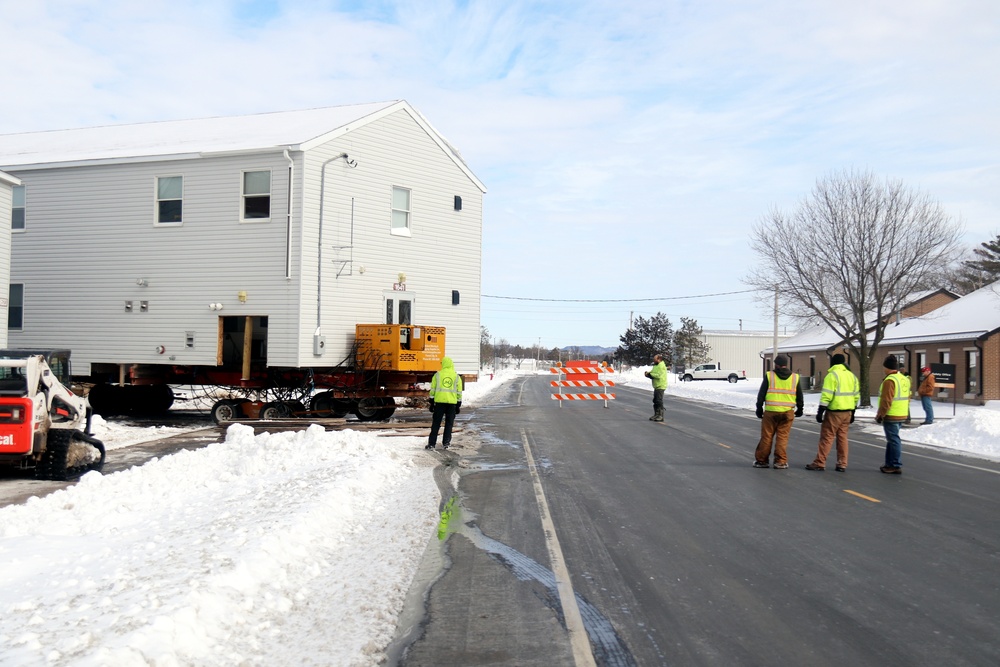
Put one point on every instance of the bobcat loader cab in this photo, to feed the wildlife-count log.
(43, 425)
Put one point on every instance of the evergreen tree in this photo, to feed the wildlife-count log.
(689, 348)
(985, 268)
(645, 339)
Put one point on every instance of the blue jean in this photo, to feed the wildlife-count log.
(928, 409)
(893, 445)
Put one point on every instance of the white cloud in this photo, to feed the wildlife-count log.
(588, 121)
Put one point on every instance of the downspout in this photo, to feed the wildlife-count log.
(318, 334)
(979, 367)
(288, 219)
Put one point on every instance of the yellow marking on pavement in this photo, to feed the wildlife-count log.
(861, 495)
(724, 445)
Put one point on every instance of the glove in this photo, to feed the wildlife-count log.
(852, 416)
(760, 413)
(878, 420)
(798, 412)
(458, 407)
(819, 415)
(646, 374)
(430, 405)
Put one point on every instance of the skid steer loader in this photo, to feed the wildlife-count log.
(43, 425)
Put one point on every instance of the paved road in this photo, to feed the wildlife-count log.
(678, 552)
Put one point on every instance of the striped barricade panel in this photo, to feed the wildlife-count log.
(582, 383)
(583, 397)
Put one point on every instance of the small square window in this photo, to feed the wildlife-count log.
(256, 196)
(169, 200)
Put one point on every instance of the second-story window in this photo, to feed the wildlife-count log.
(400, 210)
(169, 200)
(256, 196)
(17, 209)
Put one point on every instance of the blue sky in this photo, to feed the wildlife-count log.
(644, 137)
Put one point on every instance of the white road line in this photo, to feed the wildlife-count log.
(579, 641)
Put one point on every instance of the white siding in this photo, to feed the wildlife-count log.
(91, 235)
(443, 252)
(6, 200)
(739, 351)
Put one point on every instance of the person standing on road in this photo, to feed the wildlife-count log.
(893, 406)
(926, 391)
(658, 374)
(446, 402)
(837, 404)
(779, 401)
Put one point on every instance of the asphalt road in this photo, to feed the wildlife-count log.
(675, 551)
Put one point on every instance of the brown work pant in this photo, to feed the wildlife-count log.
(835, 425)
(774, 424)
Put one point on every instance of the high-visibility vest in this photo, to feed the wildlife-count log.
(446, 385)
(780, 396)
(901, 396)
(840, 389)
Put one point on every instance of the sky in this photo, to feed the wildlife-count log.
(627, 147)
(287, 548)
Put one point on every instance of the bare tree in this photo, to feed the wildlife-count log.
(852, 254)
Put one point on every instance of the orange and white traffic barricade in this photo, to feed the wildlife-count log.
(583, 374)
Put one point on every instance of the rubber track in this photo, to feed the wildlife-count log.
(52, 465)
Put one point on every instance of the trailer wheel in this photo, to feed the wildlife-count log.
(388, 409)
(225, 410)
(275, 411)
(296, 408)
(368, 409)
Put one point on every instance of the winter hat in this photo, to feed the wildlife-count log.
(925, 369)
(838, 359)
(891, 362)
(781, 361)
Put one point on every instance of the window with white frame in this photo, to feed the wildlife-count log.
(169, 200)
(17, 209)
(400, 210)
(256, 196)
(15, 306)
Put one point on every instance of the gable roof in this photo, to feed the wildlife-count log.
(970, 317)
(820, 336)
(186, 139)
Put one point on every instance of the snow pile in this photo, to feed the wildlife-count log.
(116, 436)
(291, 548)
(974, 431)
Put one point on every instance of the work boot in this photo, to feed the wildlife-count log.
(658, 417)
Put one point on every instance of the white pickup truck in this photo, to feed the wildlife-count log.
(711, 371)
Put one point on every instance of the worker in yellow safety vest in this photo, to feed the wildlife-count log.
(445, 402)
(837, 404)
(893, 407)
(779, 401)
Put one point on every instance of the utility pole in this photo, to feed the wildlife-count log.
(774, 354)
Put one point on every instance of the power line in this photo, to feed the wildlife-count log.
(664, 298)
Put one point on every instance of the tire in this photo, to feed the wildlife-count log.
(387, 410)
(687, 378)
(368, 409)
(226, 410)
(296, 409)
(733, 378)
(277, 410)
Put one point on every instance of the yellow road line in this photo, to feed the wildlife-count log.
(861, 495)
(726, 446)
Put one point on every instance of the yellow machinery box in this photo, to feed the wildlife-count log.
(399, 347)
